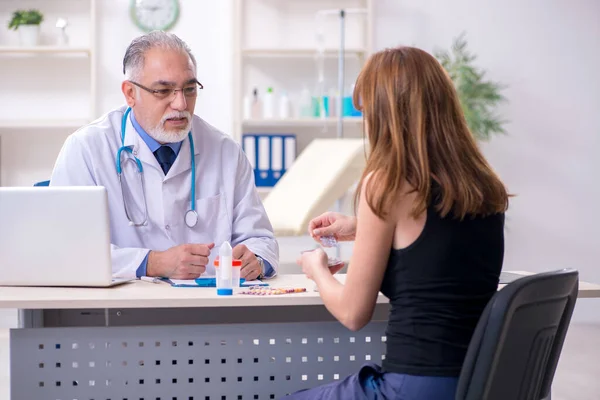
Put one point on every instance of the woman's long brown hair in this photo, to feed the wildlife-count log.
(417, 133)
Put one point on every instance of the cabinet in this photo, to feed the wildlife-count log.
(47, 90)
(292, 46)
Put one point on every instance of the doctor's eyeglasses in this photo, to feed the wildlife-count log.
(190, 90)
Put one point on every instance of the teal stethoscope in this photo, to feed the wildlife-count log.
(191, 216)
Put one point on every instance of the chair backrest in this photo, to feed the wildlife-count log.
(517, 343)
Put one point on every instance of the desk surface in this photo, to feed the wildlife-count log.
(142, 294)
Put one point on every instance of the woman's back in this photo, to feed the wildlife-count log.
(438, 287)
(424, 180)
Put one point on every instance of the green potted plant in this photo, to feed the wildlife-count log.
(479, 97)
(27, 23)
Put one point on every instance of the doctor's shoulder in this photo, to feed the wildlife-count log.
(101, 128)
(213, 138)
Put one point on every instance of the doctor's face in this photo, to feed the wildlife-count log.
(166, 113)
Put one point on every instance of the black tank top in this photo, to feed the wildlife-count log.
(438, 288)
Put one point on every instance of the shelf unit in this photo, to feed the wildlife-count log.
(275, 45)
(38, 100)
(42, 123)
(300, 53)
(300, 122)
(56, 50)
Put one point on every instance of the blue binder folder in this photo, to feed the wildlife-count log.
(270, 156)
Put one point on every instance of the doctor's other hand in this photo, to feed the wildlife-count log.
(187, 261)
(251, 268)
(340, 226)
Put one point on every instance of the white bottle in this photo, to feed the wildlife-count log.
(268, 104)
(333, 102)
(255, 107)
(284, 106)
(224, 274)
(305, 105)
(247, 107)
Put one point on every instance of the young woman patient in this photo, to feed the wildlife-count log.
(428, 233)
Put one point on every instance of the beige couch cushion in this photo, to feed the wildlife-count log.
(321, 175)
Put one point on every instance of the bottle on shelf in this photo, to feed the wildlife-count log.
(256, 111)
(305, 103)
(284, 106)
(353, 112)
(247, 107)
(332, 101)
(347, 101)
(320, 102)
(268, 104)
(318, 106)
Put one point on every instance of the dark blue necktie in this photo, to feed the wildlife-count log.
(166, 157)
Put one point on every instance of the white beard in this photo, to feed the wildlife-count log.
(161, 135)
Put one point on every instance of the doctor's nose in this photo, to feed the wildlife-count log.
(179, 102)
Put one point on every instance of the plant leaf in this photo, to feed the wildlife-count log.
(478, 96)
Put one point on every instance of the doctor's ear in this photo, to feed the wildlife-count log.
(129, 93)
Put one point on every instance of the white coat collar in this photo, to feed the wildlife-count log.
(140, 150)
(138, 146)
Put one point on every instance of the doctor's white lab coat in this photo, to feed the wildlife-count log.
(227, 202)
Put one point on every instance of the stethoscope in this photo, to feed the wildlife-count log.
(191, 216)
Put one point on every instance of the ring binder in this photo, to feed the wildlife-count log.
(270, 155)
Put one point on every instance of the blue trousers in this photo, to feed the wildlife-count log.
(371, 383)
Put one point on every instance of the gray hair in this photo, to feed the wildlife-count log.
(133, 62)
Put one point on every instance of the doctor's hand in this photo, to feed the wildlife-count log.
(340, 226)
(251, 268)
(187, 261)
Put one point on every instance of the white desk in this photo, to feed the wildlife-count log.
(147, 341)
(586, 289)
(151, 341)
(142, 294)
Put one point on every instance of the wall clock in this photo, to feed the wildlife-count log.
(150, 15)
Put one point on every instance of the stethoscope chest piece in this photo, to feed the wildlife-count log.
(191, 218)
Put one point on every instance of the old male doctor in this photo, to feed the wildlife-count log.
(184, 187)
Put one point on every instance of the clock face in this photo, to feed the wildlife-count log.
(150, 15)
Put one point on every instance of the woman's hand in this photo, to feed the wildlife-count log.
(340, 226)
(313, 262)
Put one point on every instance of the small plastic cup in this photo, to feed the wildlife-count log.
(236, 267)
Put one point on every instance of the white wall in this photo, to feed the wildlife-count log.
(204, 25)
(547, 52)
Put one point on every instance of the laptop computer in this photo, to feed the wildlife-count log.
(55, 236)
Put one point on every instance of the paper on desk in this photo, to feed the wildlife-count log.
(183, 282)
(192, 282)
(254, 283)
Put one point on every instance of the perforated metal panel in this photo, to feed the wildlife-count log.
(200, 362)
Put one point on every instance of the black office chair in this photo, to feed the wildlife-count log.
(517, 343)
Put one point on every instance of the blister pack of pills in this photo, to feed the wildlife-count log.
(262, 291)
(328, 241)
